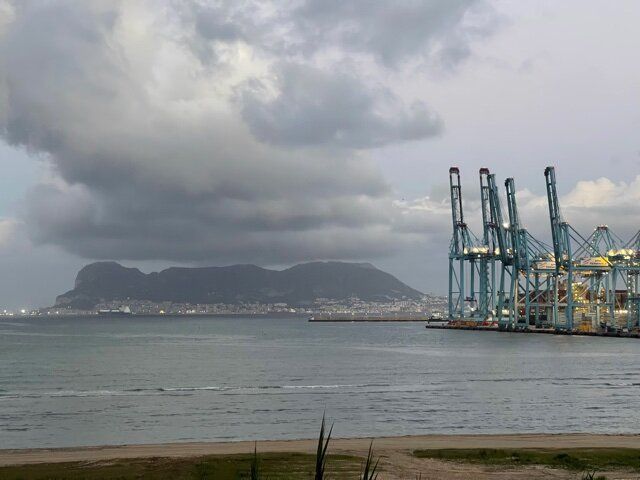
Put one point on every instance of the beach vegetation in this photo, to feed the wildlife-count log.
(577, 459)
(272, 466)
(254, 472)
(321, 453)
(369, 470)
(592, 476)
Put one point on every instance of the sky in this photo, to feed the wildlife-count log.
(183, 132)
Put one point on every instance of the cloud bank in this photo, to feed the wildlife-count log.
(220, 131)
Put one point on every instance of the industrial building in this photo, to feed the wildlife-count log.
(507, 278)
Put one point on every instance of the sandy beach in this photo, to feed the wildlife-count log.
(395, 453)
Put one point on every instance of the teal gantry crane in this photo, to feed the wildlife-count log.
(460, 243)
(465, 301)
(561, 255)
(489, 253)
(587, 271)
(531, 279)
(503, 252)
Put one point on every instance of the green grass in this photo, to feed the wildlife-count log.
(579, 459)
(274, 466)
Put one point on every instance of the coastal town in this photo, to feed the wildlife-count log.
(427, 305)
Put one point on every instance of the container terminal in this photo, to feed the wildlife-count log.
(508, 280)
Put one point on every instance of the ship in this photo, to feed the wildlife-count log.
(123, 310)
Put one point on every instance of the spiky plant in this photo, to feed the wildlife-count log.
(592, 476)
(255, 464)
(321, 454)
(369, 470)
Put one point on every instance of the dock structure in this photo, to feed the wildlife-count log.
(405, 317)
(544, 330)
(509, 280)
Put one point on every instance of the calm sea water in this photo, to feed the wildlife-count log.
(139, 380)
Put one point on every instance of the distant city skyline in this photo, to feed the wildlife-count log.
(191, 133)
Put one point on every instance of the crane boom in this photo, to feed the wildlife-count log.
(487, 226)
(497, 221)
(456, 210)
(518, 237)
(558, 232)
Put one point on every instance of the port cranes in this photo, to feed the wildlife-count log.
(587, 271)
(523, 261)
(572, 284)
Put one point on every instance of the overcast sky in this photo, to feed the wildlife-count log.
(210, 133)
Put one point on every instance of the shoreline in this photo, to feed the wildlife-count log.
(353, 446)
(68, 316)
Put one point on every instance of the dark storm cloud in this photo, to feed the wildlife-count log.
(390, 32)
(314, 107)
(216, 24)
(396, 31)
(197, 228)
(162, 145)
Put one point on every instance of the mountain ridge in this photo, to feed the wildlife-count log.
(298, 285)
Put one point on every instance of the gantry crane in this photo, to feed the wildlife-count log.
(587, 270)
(464, 300)
(503, 252)
(460, 243)
(531, 279)
(489, 255)
(562, 256)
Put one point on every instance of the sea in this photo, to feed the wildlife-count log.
(130, 380)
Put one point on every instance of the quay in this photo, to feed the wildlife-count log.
(547, 331)
(373, 318)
